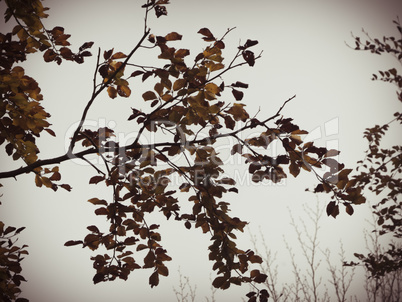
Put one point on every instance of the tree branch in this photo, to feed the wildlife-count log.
(96, 93)
(69, 155)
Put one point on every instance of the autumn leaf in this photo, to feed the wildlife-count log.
(96, 179)
(207, 33)
(237, 94)
(181, 53)
(239, 85)
(294, 169)
(97, 201)
(249, 43)
(249, 57)
(332, 209)
(73, 242)
(219, 282)
(163, 270)
(86, 45)
(237, 148)
(179, 84)
(49, 55)
(160, 10)
(173, 36)
(66, 187)
(112, 92)
(229, 122)
(154, 279)
(118, 55)
(149, 95)
(107, 54)
(349, 209)
(238, 112)
(124, 91)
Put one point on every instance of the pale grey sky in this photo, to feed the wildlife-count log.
(304, 54)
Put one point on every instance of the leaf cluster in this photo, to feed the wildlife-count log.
(188, 104)
(11, 256)
(380, 170)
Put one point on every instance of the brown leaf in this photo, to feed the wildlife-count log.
(331, 153)
(160, 10)
(349, 209)
(96, 179)
(97, 201)
(149, 260)
(260, 278)
(93, 229)
(86, 45)
(255, 259)
(219, 44)
(163, 270)
(99, 277)
(248, 56)
(219, 282)
(187, 224)
(55, 176)
(229, 122)
(73, 242)
(207, 33)
(332, 209)
(226, 181)
(179, 84)
(173, 36)
(49, 55)
(107, 54)
(238, 112)
(112, 92)
(236, 149)
(181, 53)
(101, 211)
(154, 279)
(240, 85)
(50, 131)
(149, 95)
(66, 187)
(294, 169)
(66, 53)
(38, 180)
(249, 43)
(124, 91)
(237, 94)
(118, 55)
(136, 73)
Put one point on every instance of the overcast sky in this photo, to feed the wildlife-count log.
(304, 54)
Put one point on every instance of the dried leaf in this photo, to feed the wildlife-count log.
(149, 95)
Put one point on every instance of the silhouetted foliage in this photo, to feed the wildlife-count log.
(186, 105)
(10, 267)
(380, 171)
